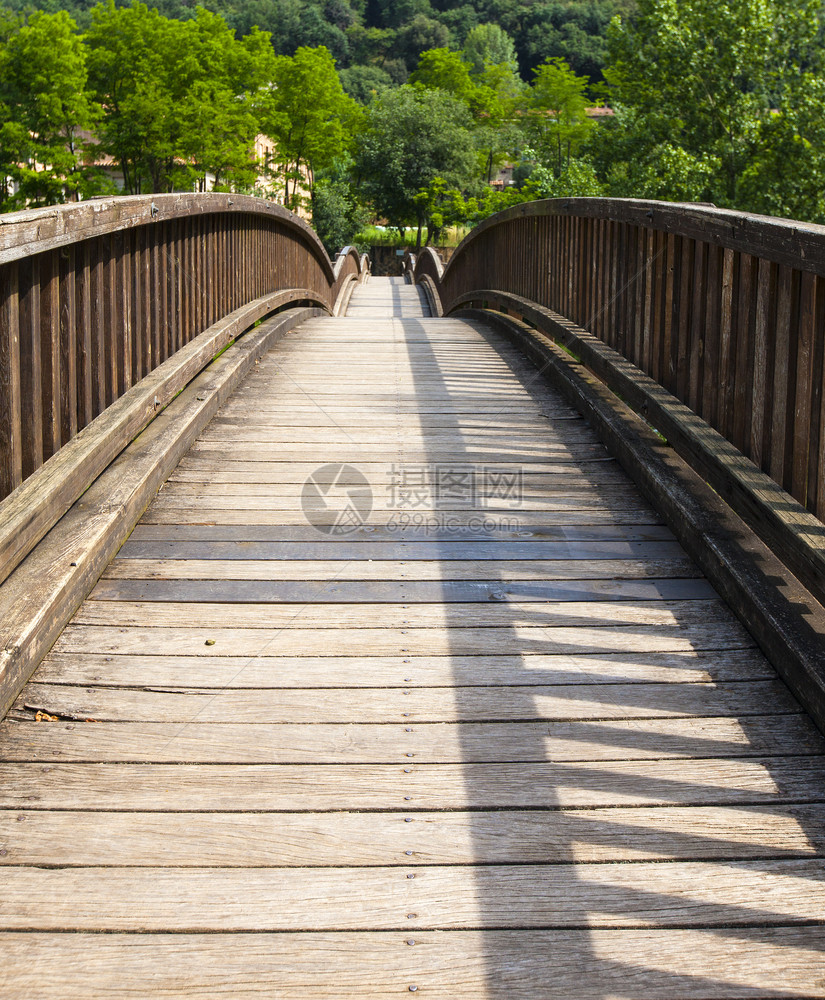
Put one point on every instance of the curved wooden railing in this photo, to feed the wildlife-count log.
(723, 312)
(109, 307)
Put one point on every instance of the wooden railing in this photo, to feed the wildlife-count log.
(724, 311)
(95, 296)
(108, 309)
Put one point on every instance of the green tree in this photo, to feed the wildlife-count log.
(443, 69)
(309, 116)
(48, 108)
(489, 45)
(180, 98)
(557, 121)
(705, 78)
(412, 136)
(362, 83)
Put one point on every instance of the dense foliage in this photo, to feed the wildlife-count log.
(404, 111)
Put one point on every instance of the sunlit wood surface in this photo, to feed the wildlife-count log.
(499, 742)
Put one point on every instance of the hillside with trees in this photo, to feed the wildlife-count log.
(404, 111)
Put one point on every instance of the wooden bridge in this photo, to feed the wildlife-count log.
(459, 636)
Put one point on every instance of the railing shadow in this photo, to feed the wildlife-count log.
(603, 729)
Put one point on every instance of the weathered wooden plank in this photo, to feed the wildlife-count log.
(192, 741)
(411, 592)
(249, 840)
(273, 671)
(417, 705)
(368, 533)
(209, 640)
(378, 451)
(234, 788)
(416, 572)
(422, 537)
(511, 520)
(496, 614)
(597, 503)
(757, 963)
(630, 894)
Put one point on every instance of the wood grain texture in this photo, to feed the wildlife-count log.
(239, 788)
(297, 840)
(652, 964)
(192, 741)
(373, 705)
(484, 670)
(493, 614)
(631, 894)
(209, 639)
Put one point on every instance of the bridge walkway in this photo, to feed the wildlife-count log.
(398, 686)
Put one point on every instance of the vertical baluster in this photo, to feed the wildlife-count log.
(68, 344)
(653, 354)
(762, 362)
(11, 417)
(803, 394)
(784, 364)
(98, 322)
(168, 314)
(182, 284)
(744, 337)
(114, 342)
(31, 372)
(697, 327)
(681, 345)
(816, 460)
(50, 351)
(670, 297)
(727, 342)
(710, 350)
(645, 356)
(83, 326)
(124, 297)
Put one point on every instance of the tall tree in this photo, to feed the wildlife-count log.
(489, 45)
(310, 117)
(558, 121)
(706, 76)
(176, 95)
(43, 88)
(412, 136)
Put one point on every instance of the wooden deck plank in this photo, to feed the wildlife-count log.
(444, 574)
(410, 592)
(210, 639)
(492, 614)
(238, 788)
(192, 741)
(648, 964)
(284, 840)
(375, 705)
(629, 894)
(273, 671)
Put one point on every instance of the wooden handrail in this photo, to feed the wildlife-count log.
(723, 309)
(95, 296)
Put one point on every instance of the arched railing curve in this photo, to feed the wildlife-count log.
(723, 310)
(96, 296)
